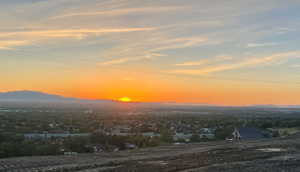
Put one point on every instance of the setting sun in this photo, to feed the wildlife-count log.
(124, 99)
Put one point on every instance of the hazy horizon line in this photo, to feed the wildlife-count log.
(154, 102)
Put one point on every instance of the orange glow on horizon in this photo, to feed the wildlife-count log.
(152, 88)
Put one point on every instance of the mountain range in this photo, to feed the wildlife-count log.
(35, 96)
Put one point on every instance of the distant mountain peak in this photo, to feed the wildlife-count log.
(36, 96)
(26, 92)
(28, 95)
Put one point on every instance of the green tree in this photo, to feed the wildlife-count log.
(222, 133)
(166, 136)
(195, 138)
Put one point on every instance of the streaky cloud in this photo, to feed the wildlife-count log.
(29, 36)
(9, 44)
(250, 62)
(115, 61)
(122, 11)
(71, 32)
(253, 45)
(193, 63)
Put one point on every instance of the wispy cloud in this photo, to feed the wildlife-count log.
(71, 32)
(9, 44)
(183, 42)
(124, 11)
(253, 45)
(150, 47)
(224, 57)
(194, 63)
(202, 62)
(249, 62)
(28, 37)
(146, 56)
(114, 61)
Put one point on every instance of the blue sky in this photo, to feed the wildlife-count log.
(249, 42)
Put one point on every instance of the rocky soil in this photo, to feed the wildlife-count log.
(273, 155)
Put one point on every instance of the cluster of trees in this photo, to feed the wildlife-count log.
(12, 145)
(121, 141)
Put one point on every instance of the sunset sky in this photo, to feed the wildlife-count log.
(226, 52)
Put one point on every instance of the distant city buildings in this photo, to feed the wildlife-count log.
(207, 133)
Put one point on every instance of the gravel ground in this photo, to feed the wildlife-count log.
(274, 155)
(219, 160)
